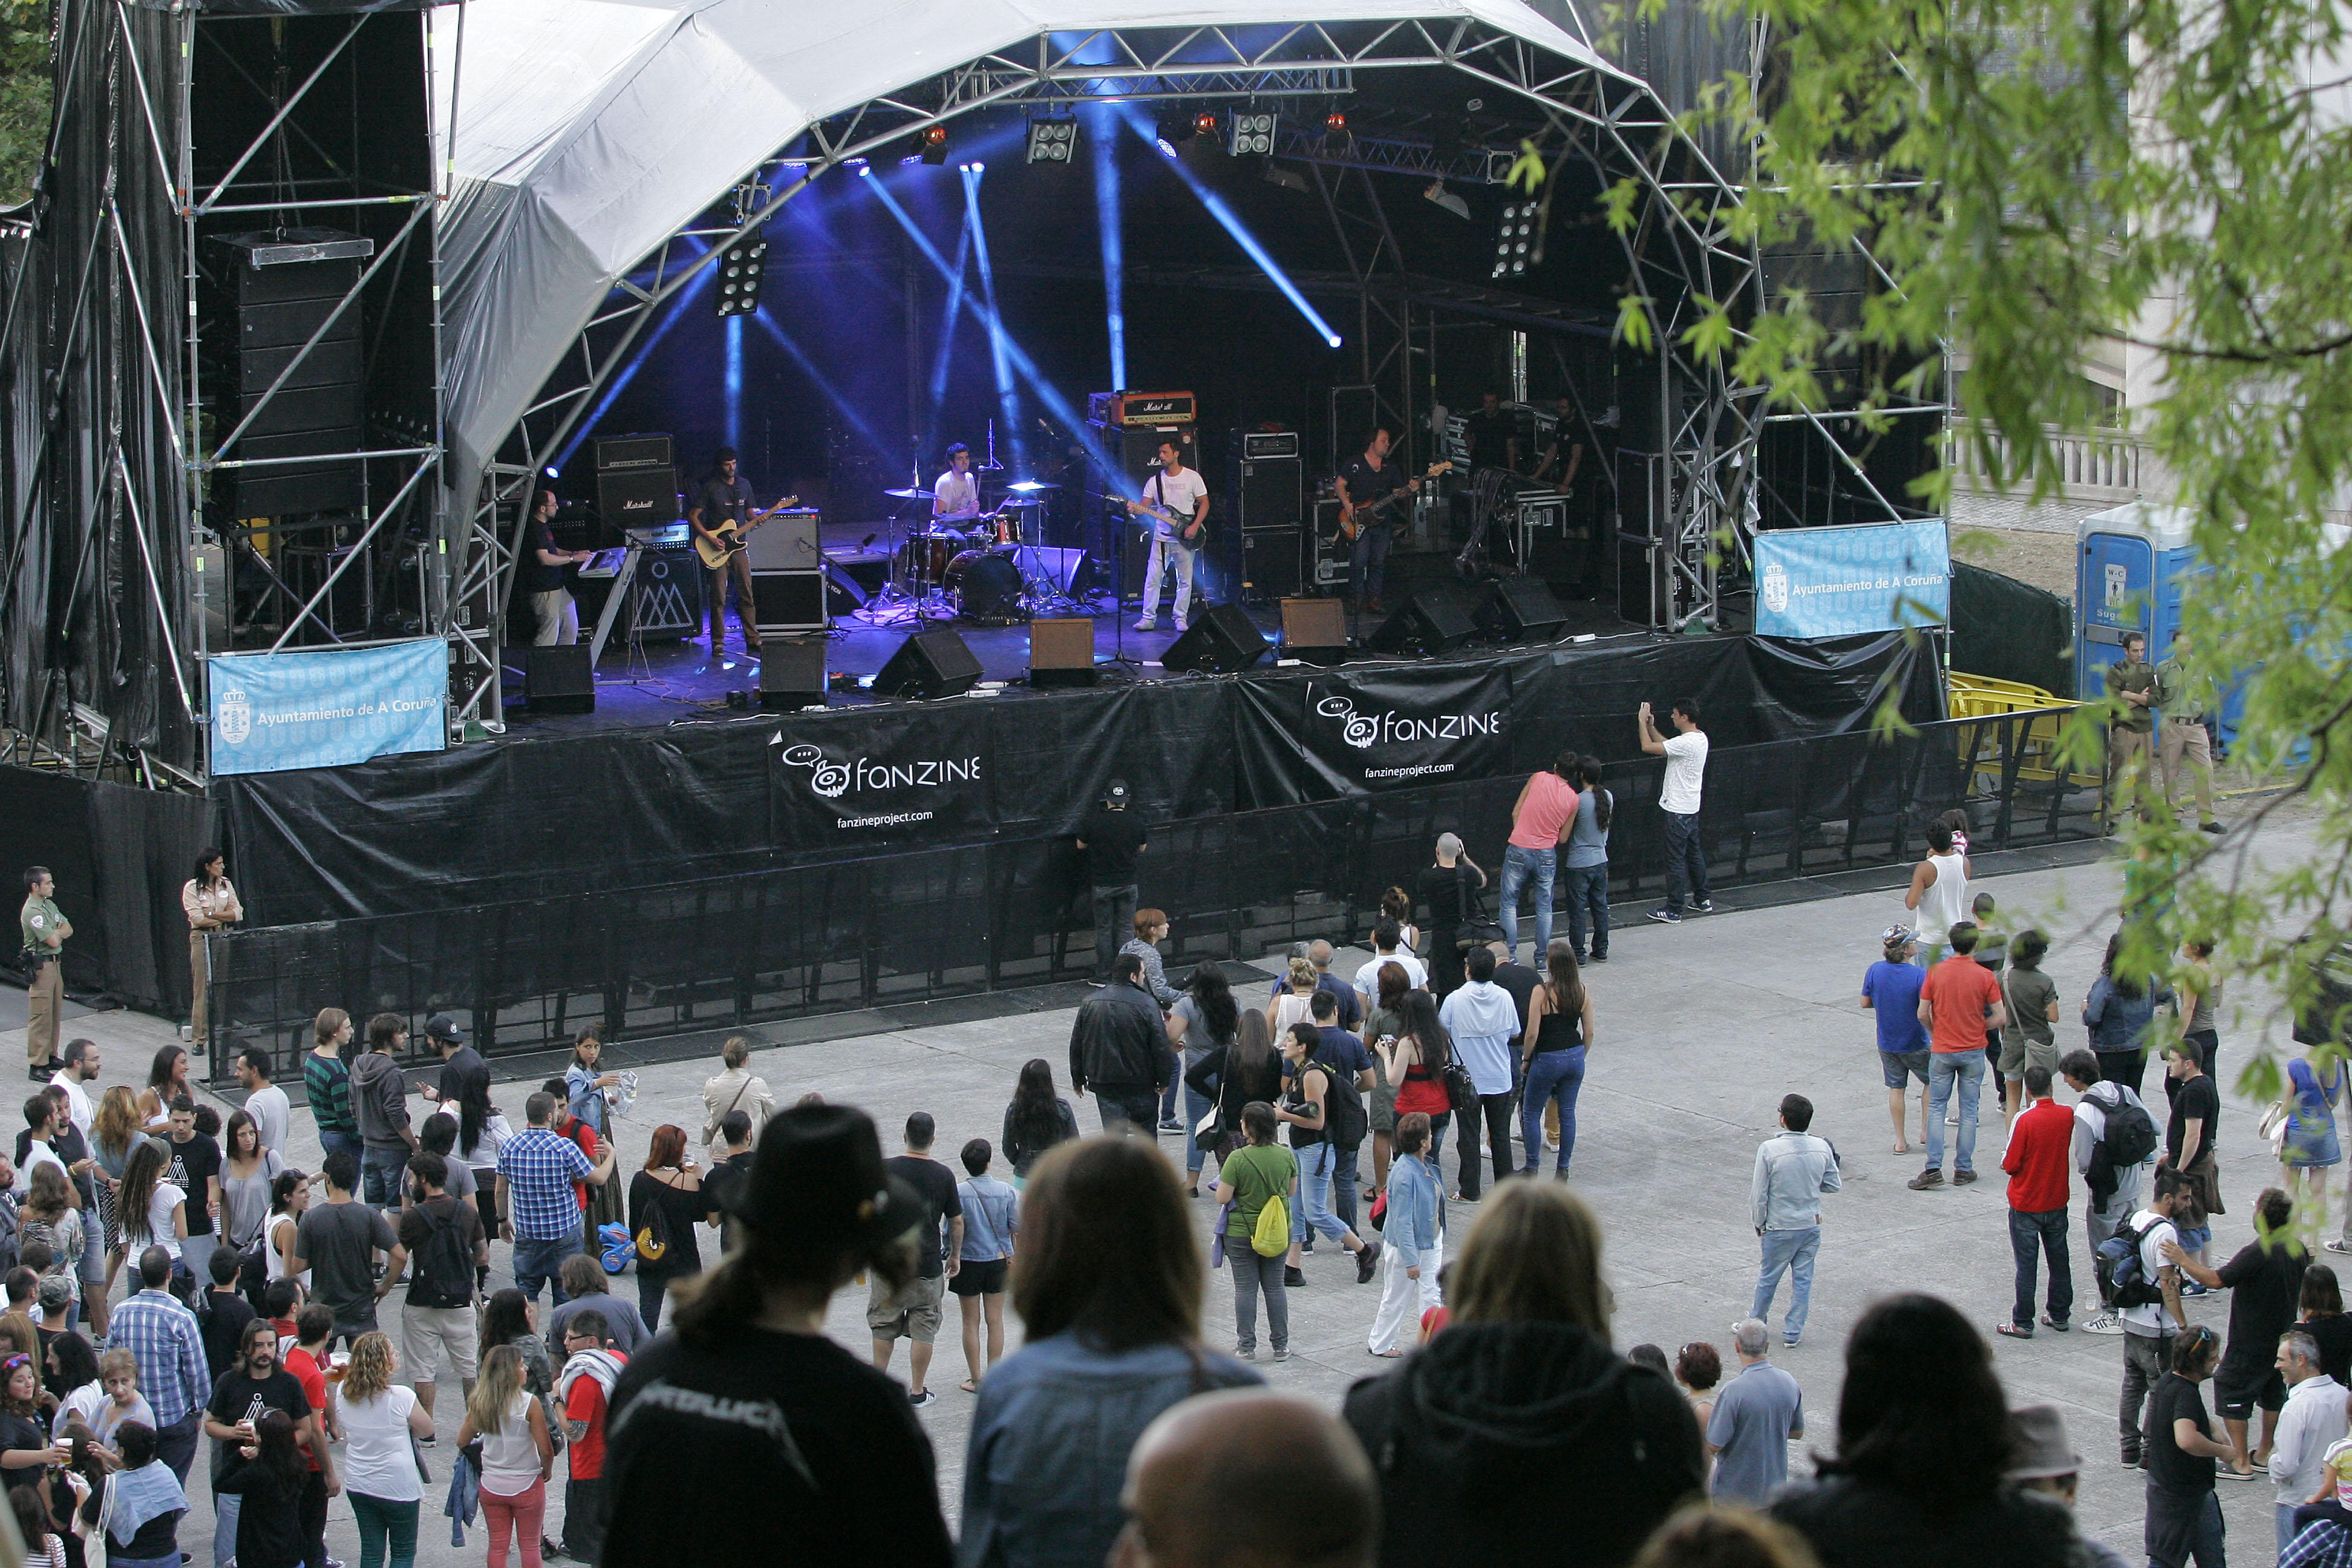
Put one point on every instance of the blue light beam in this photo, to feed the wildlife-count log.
(1008, 402)
(644, 351)
(817, 377)
(1114, 247)
(1232, 223)
(948, 325)
(735, 381)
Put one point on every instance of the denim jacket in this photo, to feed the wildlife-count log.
(1792, 1171)
(1050, 1436)
(1413, 1209)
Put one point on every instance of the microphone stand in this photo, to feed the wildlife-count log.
(1134, 666)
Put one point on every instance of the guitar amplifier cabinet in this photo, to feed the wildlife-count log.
(1270, 560)
(1330, 552)
(666, 596)
(789, 601)
(786, 543)
(637, 497)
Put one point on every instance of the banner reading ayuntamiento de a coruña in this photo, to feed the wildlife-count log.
(1843, 581)
(323, 708)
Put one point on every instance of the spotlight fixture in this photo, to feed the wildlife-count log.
(1175, 129)
(1515, 239)
(1438, 193)
(739, 275)
(1336, 122)
(1204, 123)
(1053, 140)
(931, 144)
(1249, 134)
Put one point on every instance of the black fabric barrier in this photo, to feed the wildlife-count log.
(119, 855)
(625, 810)
(853, 930)
(2012, 630)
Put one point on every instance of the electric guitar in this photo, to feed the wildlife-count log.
(729, 537)
(1353, 519)
(1188, 534)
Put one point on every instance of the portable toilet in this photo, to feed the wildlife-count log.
(2131, 564)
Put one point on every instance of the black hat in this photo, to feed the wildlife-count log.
(1115, 792)
(818, 1184)
(441, 1027)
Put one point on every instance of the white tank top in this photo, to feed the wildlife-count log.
(1944, 904)
(509, 1455)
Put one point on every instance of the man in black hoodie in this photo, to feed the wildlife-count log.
(1119, 1049)
(380, 1106)
(1518, 1438)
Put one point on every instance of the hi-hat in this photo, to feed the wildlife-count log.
(910, 495)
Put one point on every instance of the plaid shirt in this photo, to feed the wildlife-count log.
(153, 1326)
(2322, 1543)
(539, 1166)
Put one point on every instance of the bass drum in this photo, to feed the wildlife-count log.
(987, 588)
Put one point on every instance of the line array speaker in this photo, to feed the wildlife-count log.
(1221, 641)
(928, 664)
(1434, 620)
(266, 293)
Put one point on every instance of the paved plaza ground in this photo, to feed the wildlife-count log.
(1701, 1029)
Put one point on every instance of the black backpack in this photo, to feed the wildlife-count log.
(442, 1272)
(1344, 1120)
(2130, 1137)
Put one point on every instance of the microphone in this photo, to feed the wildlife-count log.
(867, 540)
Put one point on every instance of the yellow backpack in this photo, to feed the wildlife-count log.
(1271, 1238)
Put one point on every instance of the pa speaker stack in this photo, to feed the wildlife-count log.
(928, 664)
(1433, 621)
(1221, 641)
(637, 481)
(267, 295)
(1269, 507)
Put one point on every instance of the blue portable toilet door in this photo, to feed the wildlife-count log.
(2112, 593)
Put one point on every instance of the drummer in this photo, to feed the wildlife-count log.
(955, 498)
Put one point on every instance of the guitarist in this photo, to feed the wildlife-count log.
(1366, 481)
(1176, 538)
(725, 497)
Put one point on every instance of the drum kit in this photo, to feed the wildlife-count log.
(986, 569)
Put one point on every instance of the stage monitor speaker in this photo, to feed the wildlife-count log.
(1315, 630)
(638, 498)
(558, 680)
(1223, 639)
(1270, 560)
(928, 664)
(789, 601)
(1062, 652)
(1521, 609)
(1434, 620)
(791, 671)
(786, 543)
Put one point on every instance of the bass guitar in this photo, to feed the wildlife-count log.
(726, 540)
(1353, 520)
(1189, 534)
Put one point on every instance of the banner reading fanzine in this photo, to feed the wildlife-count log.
(324, 708)
(1844, 582)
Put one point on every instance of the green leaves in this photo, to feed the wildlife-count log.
(24, 96)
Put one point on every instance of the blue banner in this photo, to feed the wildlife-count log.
(1844, 581)
(323, 708)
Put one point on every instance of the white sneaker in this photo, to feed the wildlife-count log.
(1951, 1119)
(1147, 624)
(2102, 1323)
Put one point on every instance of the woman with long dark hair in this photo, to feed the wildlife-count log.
(1396, 904)
(1384, 1022)
(1587, 863)
(167, 1080)
(1518, 1414)
(1203, 1022)
(1923, 1442)
(1248, 1070)
(1036, 1119)
(510, 1318)
(248, 1180)
(689, 1482)
(149, 1212)
(1559, 1031)
(666, 1204)
(210, 904)
(269, 1475)
(1415, 1062)
(1108, 1283)
(2117, 1011)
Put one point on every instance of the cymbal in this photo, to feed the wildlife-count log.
(1027, 485)
(909, 495)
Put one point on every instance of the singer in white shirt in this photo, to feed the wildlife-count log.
(1178, 491)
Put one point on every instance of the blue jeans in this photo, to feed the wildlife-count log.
(380, 1176)
(384, 1523)
(1196, 1106)
(1170, 1090)
(2283, 1524)
(2030, 1237)
(1967, 1068)
(1553, 1075)
(1519, 864)
(1686, 860)
(1588, 903)
(1314, 1209)
(1368, 561)
(1789, 1252)
(1343, 1186)
(536, 1260)
(224, 1528)
(340, 1143)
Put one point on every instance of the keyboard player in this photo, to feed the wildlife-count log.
(542, 573)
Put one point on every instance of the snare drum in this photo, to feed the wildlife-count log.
(987, 587)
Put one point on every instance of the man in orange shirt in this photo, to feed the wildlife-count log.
(2038, 1157)
(1960, 1001)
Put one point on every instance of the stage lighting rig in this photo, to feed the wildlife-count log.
(1515, 241)
(1174, 129)
(1053, 140)
(1249, 133)
(931, 144)
(740, 268)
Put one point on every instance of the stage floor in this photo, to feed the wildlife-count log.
(668, 683)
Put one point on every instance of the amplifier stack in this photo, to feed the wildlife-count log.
(636, 482)
(1268, 488)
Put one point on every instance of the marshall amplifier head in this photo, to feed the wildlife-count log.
(633, 452)
(1141, 408)
(1262, 444)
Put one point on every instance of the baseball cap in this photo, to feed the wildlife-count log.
(1895, 933)
(1116, 793)
(441, 1027)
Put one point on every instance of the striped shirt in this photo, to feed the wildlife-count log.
(328, 1082)
(153, 1326)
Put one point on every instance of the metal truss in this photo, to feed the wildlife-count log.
(1595, 111)
(1389, 155)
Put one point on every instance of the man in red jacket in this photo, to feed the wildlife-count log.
(2038, 1161)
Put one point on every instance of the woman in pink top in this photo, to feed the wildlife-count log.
(1541, 821)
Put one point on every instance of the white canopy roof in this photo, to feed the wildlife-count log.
(588, 132)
